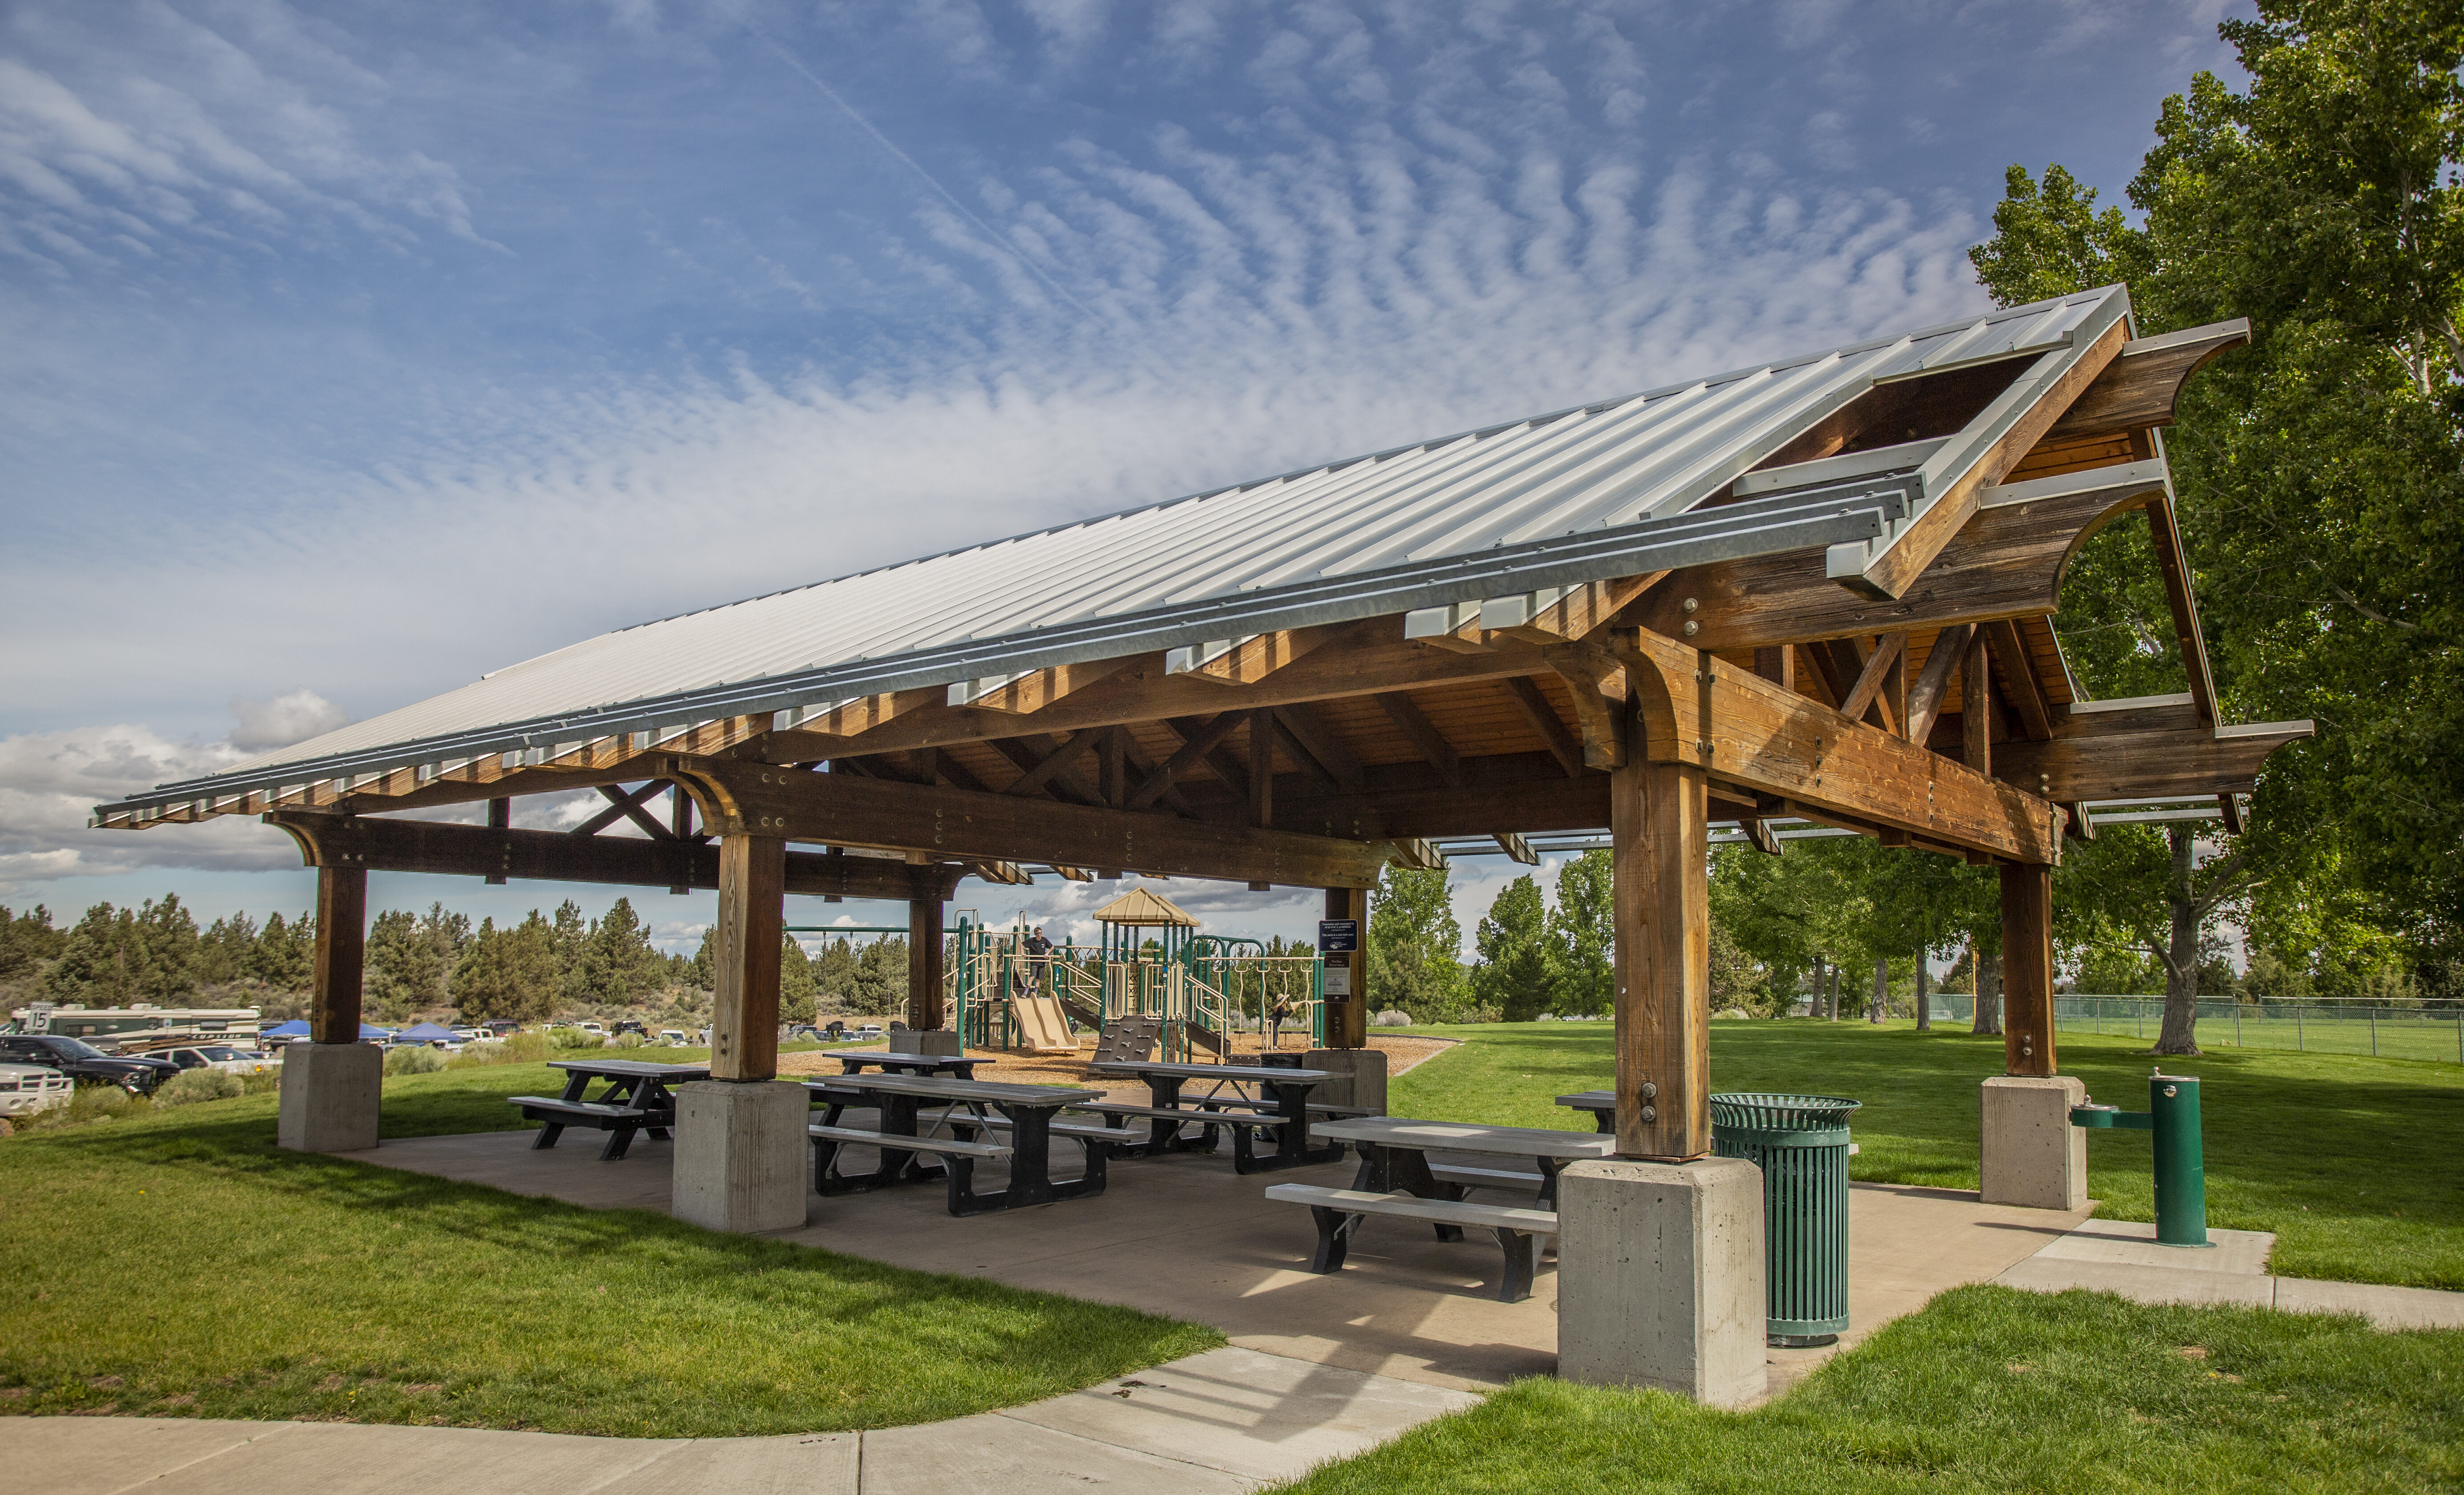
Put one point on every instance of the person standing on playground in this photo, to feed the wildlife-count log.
(1277, 1016)
(1039, 951)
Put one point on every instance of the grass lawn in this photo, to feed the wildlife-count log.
(1990, 1389)
(2352, 1162)
(180, 1264)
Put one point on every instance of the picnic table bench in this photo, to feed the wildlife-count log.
(1397, 1178)
(1601, 1103)
(1283, 1113)
(968, 1109)
(637, 1100)
(855, 1060)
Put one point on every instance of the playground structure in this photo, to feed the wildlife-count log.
(1194, 990)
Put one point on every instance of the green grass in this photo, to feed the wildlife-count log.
(180, 1264)
(2350, 1160)
(1990, 1389)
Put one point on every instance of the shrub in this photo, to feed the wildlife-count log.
(421, 1060)
(629, 1041)
(90, 1103)
(520, 1048)
(574, 1037)
(191, 1086)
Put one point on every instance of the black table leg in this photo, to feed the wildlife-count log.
(1291, 1133)
(1604, 1122)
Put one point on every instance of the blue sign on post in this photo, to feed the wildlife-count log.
(1338, 937)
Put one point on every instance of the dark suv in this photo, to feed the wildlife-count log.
(83, 1061)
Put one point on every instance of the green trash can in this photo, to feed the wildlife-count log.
(1801, 1144)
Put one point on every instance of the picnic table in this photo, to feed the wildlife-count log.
(637, 1099)
(1394, 1155)
(965, 1112)
(855, 1060)
(1601, 1103)
(1281, 1106)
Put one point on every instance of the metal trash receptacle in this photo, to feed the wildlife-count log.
(1801, 1144)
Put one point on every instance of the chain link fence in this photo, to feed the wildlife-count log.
(2224, 1022)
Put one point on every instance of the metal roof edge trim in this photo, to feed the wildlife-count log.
(1794, 521)
(1472, 432)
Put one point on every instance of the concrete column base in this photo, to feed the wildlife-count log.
(740, 1156)
(1661, 1278)
(332, 1095)
(2031, 1155)
(1363, 1081)
(938, 1042)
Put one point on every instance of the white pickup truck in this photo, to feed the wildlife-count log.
(27, 1089)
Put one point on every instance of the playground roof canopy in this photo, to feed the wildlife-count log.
(1139, 909)
(1637, 483)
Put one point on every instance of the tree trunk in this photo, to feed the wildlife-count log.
(1924, 997)
(1989, 994)
(1881, 991)
(1814, 1007)
(2180, 1032)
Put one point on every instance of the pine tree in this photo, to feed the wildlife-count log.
(404, 971)
(93, 970)
(1512, 975)
(28, 939)
(510, 973)
(223, 949)
(796, 987)
(1415, 946)
(881, 977)
(284, 954)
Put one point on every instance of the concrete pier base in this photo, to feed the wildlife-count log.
(1661, 1277)
(1363, 1082)
(2031, 1154)
(331, 1096)
(740, 1156)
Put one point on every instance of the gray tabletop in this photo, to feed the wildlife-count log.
(1456, 1136)
(939, 1089)
(877, 1056)
(1246, 1072)
(631, 1068)
(1590, 1100)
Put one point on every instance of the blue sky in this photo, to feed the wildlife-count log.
(351, 351)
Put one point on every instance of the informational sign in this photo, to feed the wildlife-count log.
(1338, 937)
(1338, 982)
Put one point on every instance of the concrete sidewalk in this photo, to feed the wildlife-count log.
(1226, 1421)
(2122, 1256)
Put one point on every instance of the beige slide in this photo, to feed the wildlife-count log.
(1042, 1027)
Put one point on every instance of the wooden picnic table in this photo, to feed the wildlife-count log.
(637, 1099)
(1393, 1155)
(855, 1061)
(1601, 1103)
(1284, 1090)
(1027, 1112)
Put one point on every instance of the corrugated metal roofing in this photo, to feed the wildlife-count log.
(1609, 489)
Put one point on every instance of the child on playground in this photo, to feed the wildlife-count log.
(1277, 1016)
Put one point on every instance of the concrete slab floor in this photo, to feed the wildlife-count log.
(2121, 1257)
(1186, 1236)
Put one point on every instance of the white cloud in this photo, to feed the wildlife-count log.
(50, 783)
(294, 716)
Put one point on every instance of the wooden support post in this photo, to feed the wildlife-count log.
(1347, 1017)
(1261, 768)
(1657, 813)
(2028, 969)
(680, 815)
(500, 817)
(924, 963)
(744, 1000)
(341, 936)
(1777, 664)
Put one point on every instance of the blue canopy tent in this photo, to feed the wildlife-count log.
(297, 1028)
(427, 1033)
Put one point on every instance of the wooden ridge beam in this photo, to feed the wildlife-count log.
(1746, 731)
(385, 844)
(758, 799)
(1415, 723)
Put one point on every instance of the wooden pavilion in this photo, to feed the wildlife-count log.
(1814, 590)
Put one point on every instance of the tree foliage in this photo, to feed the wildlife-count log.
(1512, 977)
(1415, 945)
(2319, 470)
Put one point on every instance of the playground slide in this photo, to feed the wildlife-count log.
(1042, 1027)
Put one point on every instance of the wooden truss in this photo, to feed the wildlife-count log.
(1912, 692)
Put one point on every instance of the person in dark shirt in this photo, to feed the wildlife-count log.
(1277, 1016)
(1038, 953)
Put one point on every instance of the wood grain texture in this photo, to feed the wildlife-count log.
(2158, 750)
(924, 963)
(2139, 388)
(1746, 731)
(1659, 854)
(2028, 970)
(338, 967)
(744, 957)
(2174, 565)
(1346, 1023)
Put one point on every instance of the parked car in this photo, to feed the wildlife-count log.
(83, 1061)
(868, 1032)
(223, 1057)
(593, 1027)
(27, 1089)
(629, 1025)
(674, 1038)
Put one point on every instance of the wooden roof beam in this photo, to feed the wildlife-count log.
(1543, 718)
(1246, 661)
(2175, 566)
(1933, 685)
(2139, 387)
(740, 797)
(1415, 723)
